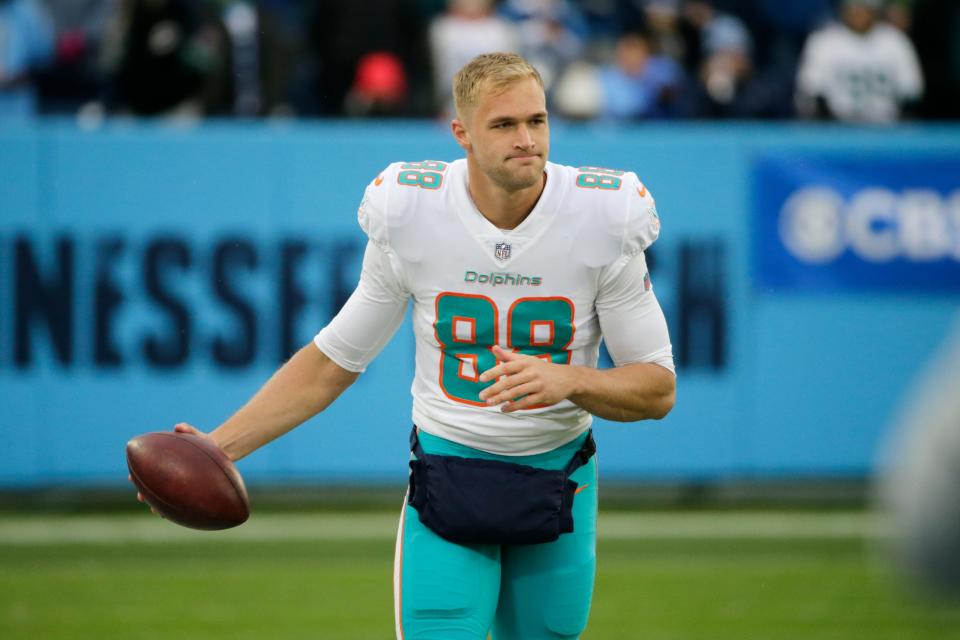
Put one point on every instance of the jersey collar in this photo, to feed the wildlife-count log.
(504, 246)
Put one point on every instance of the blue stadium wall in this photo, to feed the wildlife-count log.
(152, 273)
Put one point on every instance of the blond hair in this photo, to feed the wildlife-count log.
(495, 71)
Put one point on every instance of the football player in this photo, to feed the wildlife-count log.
(516, 267)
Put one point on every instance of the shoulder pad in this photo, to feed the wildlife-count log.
(643, 223)
(623, 220)
(372, 214)
(393, 199)
(620, 215)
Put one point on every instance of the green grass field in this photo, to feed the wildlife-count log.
(662, 576)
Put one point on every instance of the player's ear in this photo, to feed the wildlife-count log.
(460, 133)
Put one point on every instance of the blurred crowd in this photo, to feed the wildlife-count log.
(873, 61)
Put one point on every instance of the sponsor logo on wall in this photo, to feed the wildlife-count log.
(827, 223)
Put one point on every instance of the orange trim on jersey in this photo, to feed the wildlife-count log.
(473, 329)
(540, 323)
(464, 358)
(436, 335)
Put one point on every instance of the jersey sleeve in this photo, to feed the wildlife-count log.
(372, 213)
(632, 225)
(642, 226)
(375, 310)
(370, 317)
(631, 320)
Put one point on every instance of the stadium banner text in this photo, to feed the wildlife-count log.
(830, 222)
(152, 274)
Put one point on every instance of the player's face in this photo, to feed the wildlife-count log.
(508, 135)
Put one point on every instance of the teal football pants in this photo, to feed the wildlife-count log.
(449, 591)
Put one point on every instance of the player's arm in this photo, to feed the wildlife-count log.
(318, 373)
(636, 391)
(303, 387)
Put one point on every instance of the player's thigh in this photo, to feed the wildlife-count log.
(443, 591)
(546, 589)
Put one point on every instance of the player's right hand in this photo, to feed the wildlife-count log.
(184, 427)
(180, 427)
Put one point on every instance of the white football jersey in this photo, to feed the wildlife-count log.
(863, 77)
(547, 288)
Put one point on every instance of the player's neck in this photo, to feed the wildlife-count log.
(504, 209)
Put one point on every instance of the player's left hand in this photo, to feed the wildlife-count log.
(526, 381)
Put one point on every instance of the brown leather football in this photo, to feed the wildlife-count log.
(188, 480)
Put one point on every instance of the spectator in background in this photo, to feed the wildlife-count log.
(579, 92)
(641, 83)
(258, 53)
(725, 73)
(26, 43)
(779, 30)
(662, 20)
(729, 84)
(467, 29)
(163, 58)
(342, 33)
(703, 25)
(243, 24)
(74, 79)
(379, 88)
(859, 70)
(607, 19)
(551, 32)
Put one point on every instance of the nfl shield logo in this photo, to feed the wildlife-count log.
(502, 251)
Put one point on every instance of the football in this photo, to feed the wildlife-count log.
(188, 480)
